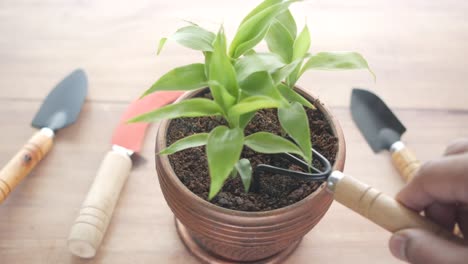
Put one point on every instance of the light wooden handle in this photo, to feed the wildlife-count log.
(24, 161)
(96, 212)
(380, 208)
(406, 163)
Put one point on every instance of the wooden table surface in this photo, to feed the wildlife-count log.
(416, 48)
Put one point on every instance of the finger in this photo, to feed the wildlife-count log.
(443, 214)
(444, 180)
(462, 219)
(457, 147)
(420, 247)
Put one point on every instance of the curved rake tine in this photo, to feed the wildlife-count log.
(317, 175)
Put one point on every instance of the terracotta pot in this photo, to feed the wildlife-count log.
(214, 233)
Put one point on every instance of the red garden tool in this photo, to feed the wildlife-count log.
(96, 212)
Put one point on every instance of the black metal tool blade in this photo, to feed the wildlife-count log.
(63, 104)
(377, 123)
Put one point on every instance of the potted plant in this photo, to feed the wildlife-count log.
(242, 108)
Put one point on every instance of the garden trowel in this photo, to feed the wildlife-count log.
(96, 211)
(382, 130)
(60, 109)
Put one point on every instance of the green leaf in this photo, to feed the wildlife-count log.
(280, 41)
(300, 48)
(249, 64)
(244, 119)
(245, 171)
(287, 20)
(221, 70)
(252, 31)
(185, 143)
(283, 73)
(233, 173)
(281, 35)
(221, 96)
(195, 37)
(294, 121)
(251, 104)
(249, 44)
(260, 84)
(223, 151)
(263, 5)
(190, 22)
(336, 61)
(162, 41)
(294, 76)
(187, 108)
(207, 55)
(250, 52)
(269, 143)
(189, 77)
(301, 44)
(293, 96)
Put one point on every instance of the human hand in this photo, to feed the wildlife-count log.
(440, 188)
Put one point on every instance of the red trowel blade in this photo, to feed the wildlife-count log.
(130, 136)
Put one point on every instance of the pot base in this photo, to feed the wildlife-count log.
(207, 257)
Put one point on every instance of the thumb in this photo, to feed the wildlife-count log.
(418, 246)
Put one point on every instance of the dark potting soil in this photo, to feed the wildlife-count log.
(273, 191)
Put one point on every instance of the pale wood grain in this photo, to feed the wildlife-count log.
(24, 161)
(406, 163)
(416, 49)
(96, 212)
(36, 219)
(381, 208)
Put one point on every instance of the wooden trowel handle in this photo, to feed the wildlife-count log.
(405, 161)
(96, 212)
(407, 165)
(380, 208)
(24, 161)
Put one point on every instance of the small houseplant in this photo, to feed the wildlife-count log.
(228, 91)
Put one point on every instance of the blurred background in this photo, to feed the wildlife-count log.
(416, 48)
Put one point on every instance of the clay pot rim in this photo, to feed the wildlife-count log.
(340, 158)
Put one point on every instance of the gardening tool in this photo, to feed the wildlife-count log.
(90, 226)
(382, 130)
(60, 109)
(363, 199)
